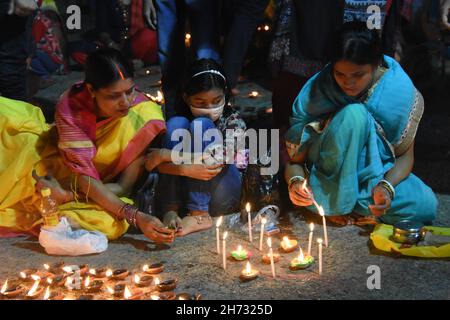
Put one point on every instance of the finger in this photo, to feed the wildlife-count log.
(302, 193)
(163, 230)
(35, 175)
(300, 201)
(379, 207)
(215, 166)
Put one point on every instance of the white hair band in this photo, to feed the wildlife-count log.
(210, 71)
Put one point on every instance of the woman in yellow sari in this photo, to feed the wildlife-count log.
(90, 160)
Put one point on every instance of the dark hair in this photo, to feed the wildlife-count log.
(354, 42)
(206, 81)
(106, 66)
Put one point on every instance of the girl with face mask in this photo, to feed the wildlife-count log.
(190, 193)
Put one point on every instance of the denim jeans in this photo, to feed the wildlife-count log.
(218, 196)
(203, 16)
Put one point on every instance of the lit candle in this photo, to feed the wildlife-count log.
(250, 236)
(266, 28)
(320, 255)
(272, 264)
(263, 223)
(187, 40)
(253, 94)
(288, 245)
(224, 250)
(301, 262)
(248, 273)
(240, 253)
(325, 233)
(218, 223)
(311, 230)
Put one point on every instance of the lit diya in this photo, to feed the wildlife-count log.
(99, 272)
(288, 245)
(26, 274)
(301, 262)
(167, 285)
(248, 274)
(143, 281)
(132, 294)
(56, 280)
(82, 269)
(92, 286)
(240, 254)
(35, 291)
(11, 291)
(55, 268)
(166, 295)
(118, 290)
(266, 258)
(153, 269)
(120, 274)
(53, 295)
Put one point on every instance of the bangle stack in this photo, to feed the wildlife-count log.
(387, 186)
(295, 179)
(130, 213)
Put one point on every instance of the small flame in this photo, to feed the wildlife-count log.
(147, 72)
(23, 275)
(4, 287)
(33, 289)
(109, 273)
(181, 298)
(47, 293)
(254, 94)
(188, 36)
(321, 212)
(219, 221)
(127, 293)
(35, 277)
(239, 249)
(145, 268)
(155, 297)
(247, 207)
(301, 257)
(269, 242)
(266, 28)
(311, 227)
(263, 221)
(225, 235)
(156, 281)
(110, 290)
(287, 242)
(46, 266)
(319, 241)
(248, 268)
(93, 272)
(137, 279)
(159, 96)
(49, 280)
(87, 282)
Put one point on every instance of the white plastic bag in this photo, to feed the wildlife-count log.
(62, 240)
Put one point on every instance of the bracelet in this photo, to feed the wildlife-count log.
(295, 179)
(388, 186)
(130, 213)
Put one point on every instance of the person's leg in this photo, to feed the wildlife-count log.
(204, 20)
(246, 17)
(42, 65)
(226, 192)
(171, 50)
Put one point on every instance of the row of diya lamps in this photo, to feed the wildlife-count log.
(91, 281)
(287, 245)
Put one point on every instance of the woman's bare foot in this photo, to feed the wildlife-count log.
(194, 222)
(341, 220)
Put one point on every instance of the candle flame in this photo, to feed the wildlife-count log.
(145, 268)
(35, 277)
(188, 36)
(254, 94)
(319, 241)
(301, 257)
(109, 273)
(4, 287)
(269, 242)
(247, 207)
(47, 293)
(49, 280)
(23, 275)
(239, 249)
(219, 221)
(156, 281)
(147, 72)
(181, 298)
(248, 268)
(321, 212)
(225, 235)
(311, 227)
(263, 221)
(127, 293)
(93, 272)
(266, 27)
(287, 242)
(87, 281)
(155, 297)
(33, 289)
(137, 279)
(110, 290)
(46, 266)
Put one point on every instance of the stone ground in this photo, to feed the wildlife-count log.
(193, 260)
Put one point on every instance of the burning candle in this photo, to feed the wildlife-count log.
(325, 233)
(143, 281)
(218, 223)
(301, 262)
(320, 255)
(253, 94)
(249, 274)
(288, 245)
(35, 291)
(187, 40)
(240, 253)
(263, 223)
(224, 250)
(266, 28)
(311, 230)
(272, 263)
(249, 215)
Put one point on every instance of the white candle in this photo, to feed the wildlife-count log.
(250, 236)
(324, 221)
(320, 255)
(311, 230)
(272, 263)
(224, 250)
(263, 223)
(218, 223)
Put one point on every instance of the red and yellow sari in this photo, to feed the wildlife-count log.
(82, 146)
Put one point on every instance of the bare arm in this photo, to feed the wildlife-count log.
(402, 168)
(124, 186)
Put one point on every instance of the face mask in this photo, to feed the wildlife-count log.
(212, 113)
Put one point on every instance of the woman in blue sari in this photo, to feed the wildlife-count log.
(352, 137)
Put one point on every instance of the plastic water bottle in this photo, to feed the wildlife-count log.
(49, 208)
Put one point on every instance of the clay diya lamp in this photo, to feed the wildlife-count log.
(25, 275)
(98, 273)
(240, 254)
(248, 274)
(82, 269)
(266, 258)
(55, 268)
(11, 291)
(117, 291)
(143, 281)
(35, 291)
(56, 280)
(301, 262)
(288, 245)
(120, 274)
(155, 268)
(132, 294)
(167, 285)
(53, 295)
(92, 286)
(166, 295)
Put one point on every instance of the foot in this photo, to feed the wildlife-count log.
(363, 221)
(195, 222)
(341, 220)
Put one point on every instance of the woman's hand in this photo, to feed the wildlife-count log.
(202, 171)
(382, 200)
(149, 11)
(153, 159)
(299, 196)
(153, 229)
(58, 193)
(445, 12)
(172, 221)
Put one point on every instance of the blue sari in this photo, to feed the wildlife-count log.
(352, 143)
